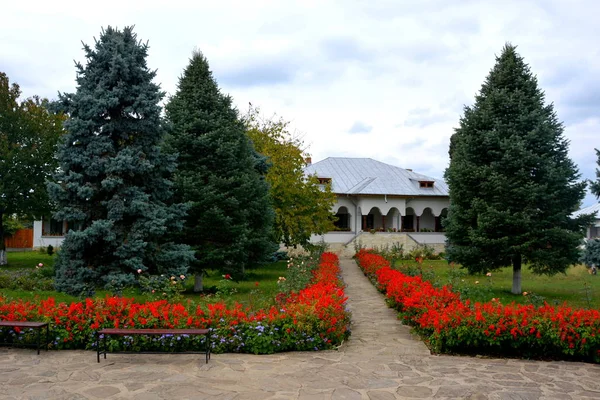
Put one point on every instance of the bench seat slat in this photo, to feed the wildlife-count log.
(102, 334)
(116, 331)
(24, 324)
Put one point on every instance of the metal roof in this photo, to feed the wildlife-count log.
(589, 210)
(367, 176)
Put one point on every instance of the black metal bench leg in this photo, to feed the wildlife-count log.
(105, 348)
(38, 340)
(47, 335)
(98, 345)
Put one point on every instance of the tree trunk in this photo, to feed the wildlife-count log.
(3, 260)
(516, 286)
(198, 285)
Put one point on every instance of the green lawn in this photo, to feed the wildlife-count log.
(578, 288)
(257, 290)
(27, 259)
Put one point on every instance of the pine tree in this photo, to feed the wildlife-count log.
(512, 184)
(595, 185)
(28, 137)
(114, 185)
(231, 218)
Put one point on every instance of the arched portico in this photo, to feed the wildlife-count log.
(343, 220)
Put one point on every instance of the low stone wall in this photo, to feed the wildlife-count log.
(371, 240)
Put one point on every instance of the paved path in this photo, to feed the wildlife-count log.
(381, 361)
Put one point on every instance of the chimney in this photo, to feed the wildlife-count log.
(308, 161)
(409, 169)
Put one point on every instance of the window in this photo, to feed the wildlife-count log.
(52, 227)
(324, 181)
(426, 184)
(342, 222)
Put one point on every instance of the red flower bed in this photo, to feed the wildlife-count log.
(312, 319)
(451, 325)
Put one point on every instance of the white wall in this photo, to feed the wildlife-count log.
(333, 237)
(421, 203)
(44, 241)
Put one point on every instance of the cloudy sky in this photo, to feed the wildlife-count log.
(382, 79)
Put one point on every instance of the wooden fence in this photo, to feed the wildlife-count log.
(22, 239)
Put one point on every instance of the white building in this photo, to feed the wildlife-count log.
(49, 232)
(372, 195)
(593, 231)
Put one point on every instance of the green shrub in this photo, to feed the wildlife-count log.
(591, 253)
(299, 274)
(422, 251)
(161, 287)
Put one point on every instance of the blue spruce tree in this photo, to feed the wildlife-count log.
(114, 186)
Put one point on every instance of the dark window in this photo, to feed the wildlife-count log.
(52, 227)
(324, 181)
(408, 222)
(342, 221)
(370, 221)
(425, 184)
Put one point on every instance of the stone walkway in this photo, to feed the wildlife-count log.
(380, 361)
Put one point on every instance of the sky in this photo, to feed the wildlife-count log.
(381, 79)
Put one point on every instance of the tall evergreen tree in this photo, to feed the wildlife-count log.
(114, 183)
(28, 137)
(595, 185)
(512, 184)
(230, 221)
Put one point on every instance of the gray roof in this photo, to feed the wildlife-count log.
(589, 210)
(367, 176)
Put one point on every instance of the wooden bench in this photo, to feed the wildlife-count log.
(32, 325)
(103, 333)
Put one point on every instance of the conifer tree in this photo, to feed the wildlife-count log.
(114, 185)
(595, 185)
(512, 185)
(231, 218)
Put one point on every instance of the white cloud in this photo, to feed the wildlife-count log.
(407, 67)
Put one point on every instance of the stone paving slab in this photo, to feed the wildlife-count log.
(381, 361)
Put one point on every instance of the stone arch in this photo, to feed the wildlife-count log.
(343, 222)
(409, 220)
(392, 219)
(372, 220)
(439, 226)
(426, 221)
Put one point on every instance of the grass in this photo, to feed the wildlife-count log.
(27, 259)
(577, 287)
(257, 290)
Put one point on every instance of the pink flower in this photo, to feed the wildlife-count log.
(182, 277)
(40, 265)
(488, 274)
(139, 271)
